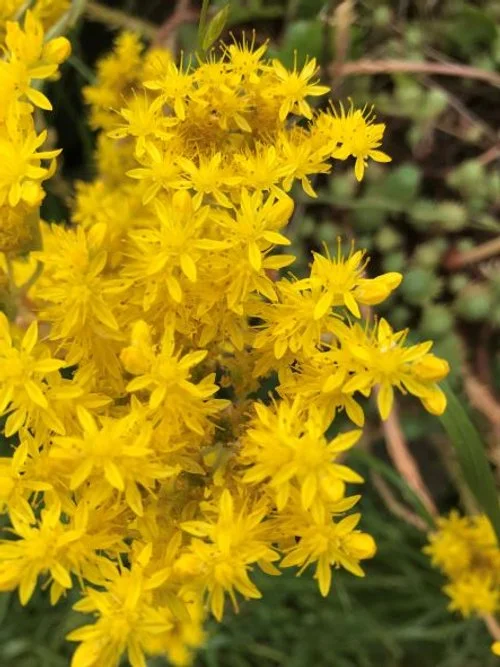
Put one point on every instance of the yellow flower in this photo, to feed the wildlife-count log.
(25, 370)
(209, 177)
(286, 446)
(174, 88)
(232, 543)
(127, 620)
(465, 549)
(142, 121)
(245, 60)
(117, 74)
(20, 170)
(29, 58)
(51, 547)
(115, 456)
(328, 543)
(17, 485)
(359, 137)
(168, 383)
(79, 296)
(293, 88)
(389, 364)
(340, 282)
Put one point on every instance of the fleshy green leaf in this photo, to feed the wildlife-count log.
(471, 456)
(215, 28)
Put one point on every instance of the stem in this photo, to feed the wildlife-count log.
(404, 462)
(490, 155)
(393, 505)
(33, 278)
(114, 18)
(478, 254)
(10, 274)
(22, 10)
(366, 66)
(181, 14)
(492, 625)
(67, 20)
(82, 69)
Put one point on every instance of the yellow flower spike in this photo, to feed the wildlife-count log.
(162, 500)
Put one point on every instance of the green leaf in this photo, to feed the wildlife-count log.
(215, 28)
(471, 456)
(308, 9)
(397, 481)
(304, 37)
(401, 185)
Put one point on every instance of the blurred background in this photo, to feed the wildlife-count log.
(432, 71)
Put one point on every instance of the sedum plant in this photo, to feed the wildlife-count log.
(169, 392)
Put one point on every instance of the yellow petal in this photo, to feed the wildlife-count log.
(35, 394)
(254, 256)
(385, 400)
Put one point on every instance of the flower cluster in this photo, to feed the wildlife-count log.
(47, 12)
(465, 549)
(147, 470)
(27, 61)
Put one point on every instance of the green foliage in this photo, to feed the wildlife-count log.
(470, 452)
(35, 636)
(300, 38)
(210, 32)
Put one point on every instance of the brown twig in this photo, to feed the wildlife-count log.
(458, 260)
(394, 506)
(181, 14)
(404, 461)
(489, 156)
(118, 19)
(342, 19)
(481, 398)
(493, 626)
(389, 66)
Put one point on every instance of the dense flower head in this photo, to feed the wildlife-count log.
(466, 551)
(145, 471)
(27, 60)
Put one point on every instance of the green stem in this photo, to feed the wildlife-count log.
(33, 278)
(82, 69)
(67, 20)
(10, 274)
(22, 10)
